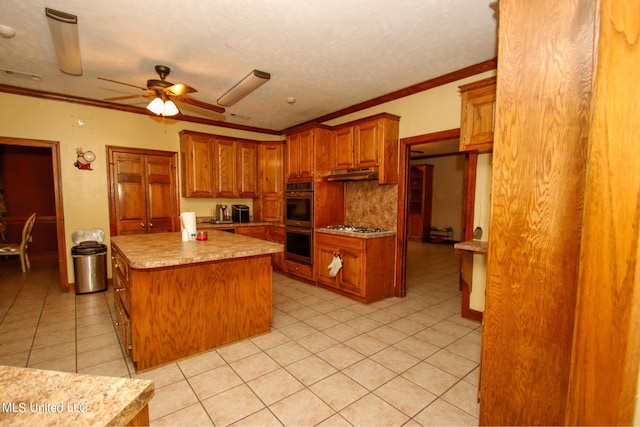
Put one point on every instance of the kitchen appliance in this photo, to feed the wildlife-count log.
(221, 215)
(298, 244)
(240, 213)
(366, 174)
(298, 200)
(348, 228)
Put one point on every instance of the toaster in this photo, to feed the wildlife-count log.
(240, 213)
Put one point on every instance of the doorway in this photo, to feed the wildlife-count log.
(51, 150)
(434, 145)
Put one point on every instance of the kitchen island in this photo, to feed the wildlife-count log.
(175, 299)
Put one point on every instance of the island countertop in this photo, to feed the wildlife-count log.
(39, 397)
(167, 249)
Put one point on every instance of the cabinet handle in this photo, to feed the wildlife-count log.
(117, 323)
(151, 225)
(119, 289)
(142, 224)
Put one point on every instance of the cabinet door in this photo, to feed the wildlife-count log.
(271, 208)
(323, 257)
(270, 166)
(225, 163)
(247, 169)
(162, 198)
(292, 165)
(197, 166)
(143, 191)
(366, 145)
(478, 117)
(343, 148)
(305, 164)
(352, 270)
(128, 198)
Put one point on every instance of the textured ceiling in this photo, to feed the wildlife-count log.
(328, 54)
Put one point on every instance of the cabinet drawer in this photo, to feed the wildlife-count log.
(340, 241)
(123, 327)
(119, 264)
(259, 231)
(276, 234)
(302, 270)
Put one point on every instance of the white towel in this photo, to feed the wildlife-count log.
(335, 266)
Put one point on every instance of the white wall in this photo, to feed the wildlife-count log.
(448, 181)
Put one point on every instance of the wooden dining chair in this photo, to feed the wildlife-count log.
(21, 249)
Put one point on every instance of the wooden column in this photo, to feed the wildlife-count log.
(607, 335)
(539, 165)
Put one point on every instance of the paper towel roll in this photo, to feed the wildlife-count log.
(189, 221)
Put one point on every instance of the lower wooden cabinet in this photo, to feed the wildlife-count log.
(367, 272)
(276, 234)
(257, 231)
(297, 269)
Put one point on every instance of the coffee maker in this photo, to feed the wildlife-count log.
(222, 215)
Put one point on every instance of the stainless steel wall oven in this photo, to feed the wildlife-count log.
(298, 203)
(298, 220)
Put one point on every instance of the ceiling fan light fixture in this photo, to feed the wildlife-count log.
(64, 33)
(161, 107)
(156, 106)
(251, 82)
(170, 108)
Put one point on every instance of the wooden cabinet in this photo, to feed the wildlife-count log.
(308, 154)
(276, 234)
(225, 168)
(303, 271)
(247, 169)
(121, 288)
(143, 191)
(214, 166)
(271, 182)
(197, 159)
(420, 199)
(477, 122)
(367, 271)
(256, 231)
(366, 143)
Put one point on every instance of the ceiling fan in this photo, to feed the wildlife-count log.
(164, 94)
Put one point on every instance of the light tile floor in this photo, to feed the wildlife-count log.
(328, 360)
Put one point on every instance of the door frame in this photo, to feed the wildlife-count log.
(54, 146)
(403, 185)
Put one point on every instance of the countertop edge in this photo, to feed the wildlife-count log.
(358, 235)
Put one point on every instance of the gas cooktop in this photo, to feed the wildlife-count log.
(356, 228)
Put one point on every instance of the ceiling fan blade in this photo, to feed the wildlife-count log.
(200, 104)
(122, 83)
(120, 98)
(180, 89)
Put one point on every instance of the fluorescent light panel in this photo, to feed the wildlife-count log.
(64, 33)
(254, 80)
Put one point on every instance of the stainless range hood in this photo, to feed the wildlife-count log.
(368, 174)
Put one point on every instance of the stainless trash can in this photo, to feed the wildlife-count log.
(89, 261)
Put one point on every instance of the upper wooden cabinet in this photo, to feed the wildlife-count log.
(247, 169)
(196, 156)
(478, 115)
(271, 182)
(370, 142)
(214, 166)
(308, 154)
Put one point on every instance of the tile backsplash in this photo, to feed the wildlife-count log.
(371, 204)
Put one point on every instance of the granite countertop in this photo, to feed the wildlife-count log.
(354, 234)
(46, 398)
(167, 249)
(472, 246)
